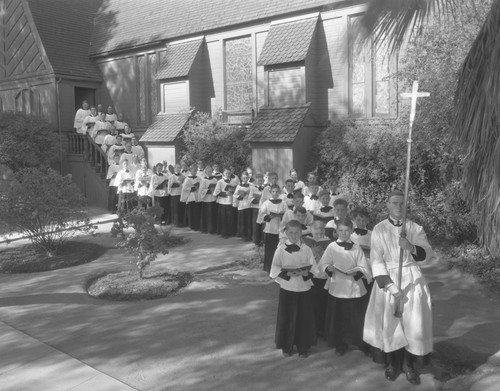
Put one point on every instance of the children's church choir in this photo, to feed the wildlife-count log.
(316, 250)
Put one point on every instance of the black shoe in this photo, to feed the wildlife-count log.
(391, 373)
(413, 377)
(287, 353)
(303, 354)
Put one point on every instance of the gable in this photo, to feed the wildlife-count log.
(178, 59)
(288, 42)
(22, 52)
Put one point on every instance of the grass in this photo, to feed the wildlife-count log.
(127, 286)
(31, 259)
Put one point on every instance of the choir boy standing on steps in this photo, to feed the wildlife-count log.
(208, 218)
(201, 169)
(241, 200)
(113, 170)
(80, 115)
(217, 174)
(318, 243)
(224, 191)
(402, 343)
(254, 199)
(346, 265)
(159, 193)
(292, 268)
(271, 212)
(89, 122)
(116, 148)
(125, 180)
(142, 182)
(174, 189)
(189, 195)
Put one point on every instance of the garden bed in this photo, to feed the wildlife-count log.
(31, 259)
(128, 286)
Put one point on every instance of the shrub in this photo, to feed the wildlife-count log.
(45, 206)
(27, 141)
(208, 139)
(145, 242)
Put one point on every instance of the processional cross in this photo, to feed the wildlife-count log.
(413, 95)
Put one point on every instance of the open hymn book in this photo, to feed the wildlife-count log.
(346, 270)
(297, 269)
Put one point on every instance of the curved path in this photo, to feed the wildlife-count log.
(215, 335)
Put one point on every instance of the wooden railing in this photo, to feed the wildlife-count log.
(83, 144)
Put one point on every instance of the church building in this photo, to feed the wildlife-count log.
(283, 69)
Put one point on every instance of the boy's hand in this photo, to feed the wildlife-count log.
(395, 291)
(294, 273)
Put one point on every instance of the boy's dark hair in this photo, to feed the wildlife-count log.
(300, 209)
(275, 186)
(340, 201)
(324, 192)
(360, 211)
(298, 194)
(293, 223)
(289, 180)
(272, 173)
(345, 223)
(313, 183)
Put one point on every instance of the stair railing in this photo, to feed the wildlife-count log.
(83, 144)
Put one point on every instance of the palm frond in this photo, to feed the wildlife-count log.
(392, 22)
(477, 127)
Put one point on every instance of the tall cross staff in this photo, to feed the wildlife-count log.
(414, 95)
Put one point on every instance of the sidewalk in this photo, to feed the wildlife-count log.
(217, 334)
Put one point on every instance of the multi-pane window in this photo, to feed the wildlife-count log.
(369, 77)
(238, 74)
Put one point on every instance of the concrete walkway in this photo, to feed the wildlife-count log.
(217, 334)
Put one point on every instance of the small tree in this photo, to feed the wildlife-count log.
(27, 141)
(145, 242)
(46, 206)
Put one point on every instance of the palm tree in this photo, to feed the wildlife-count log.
(477, 99)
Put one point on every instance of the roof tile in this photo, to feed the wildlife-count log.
(65, 28)
(123, 24)
(277, 124)
(165, 128)
(178, 60)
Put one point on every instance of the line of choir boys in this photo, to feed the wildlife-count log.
(313, 250)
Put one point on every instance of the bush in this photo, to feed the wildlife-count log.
(27, 141)
(368, 158)
(208, 139)
(45, 206)
(145, 242)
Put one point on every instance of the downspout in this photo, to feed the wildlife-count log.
(58, 80)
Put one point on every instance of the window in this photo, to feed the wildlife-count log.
(238, 79)
(286, 87)
(370, 81)
(146, 66)
(174, 97)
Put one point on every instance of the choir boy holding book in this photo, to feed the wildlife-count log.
(159, 192)
(254, 199)
(318, 243)
(242, 202)
(208, 218)
(271, 212)
(174, 189)
(224, 191)
(346, 265)
(293, 267)
(189, 195)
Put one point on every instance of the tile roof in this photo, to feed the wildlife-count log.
(122, 24)
(288, 42)
(277, 125)
(178, 59)
(165, 128)
(65, 28)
